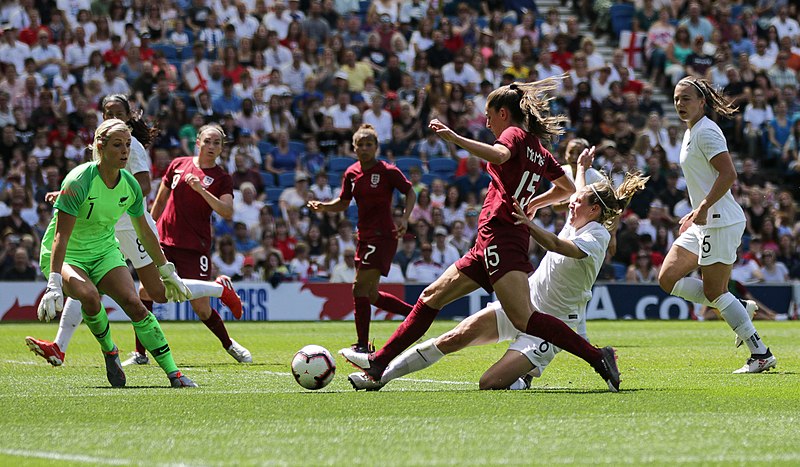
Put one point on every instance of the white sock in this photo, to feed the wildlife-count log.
(518, 385)
(737, 318)
(71, 318)
(416, 358)
(203, 288)
(691, 289)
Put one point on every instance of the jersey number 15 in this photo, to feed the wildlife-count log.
(525, 194)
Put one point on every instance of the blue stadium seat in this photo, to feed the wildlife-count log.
(268, 179)
(429, 178)
(286, 179)
(443, 167)
(619, 271)
(335, 178)
(170, 51)
(352, 213)
(273, 194)
(298, 146)
(405, 163)
(265, 147)
(340, 163)
(621, 18)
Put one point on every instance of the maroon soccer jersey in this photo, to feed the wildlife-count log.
(186, 220)
(519, 177)
(373, 190)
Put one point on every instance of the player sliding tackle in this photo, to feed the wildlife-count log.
(516, 115)
(562, 285)
(82, 259)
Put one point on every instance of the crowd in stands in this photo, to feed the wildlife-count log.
(289, 80)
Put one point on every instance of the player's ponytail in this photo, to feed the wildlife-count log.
(718, 103)
(140, 130)
(614, 202)
(365, 131)
(102, 133)
(529, 104)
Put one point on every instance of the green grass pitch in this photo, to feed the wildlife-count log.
(680, 403)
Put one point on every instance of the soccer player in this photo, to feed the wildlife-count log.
(499, 261)
(372, 183)
(118, 106)
(712, 231)
(81, 257)
(191, 189)
(562, 284)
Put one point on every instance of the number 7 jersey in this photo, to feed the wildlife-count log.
(517, 178)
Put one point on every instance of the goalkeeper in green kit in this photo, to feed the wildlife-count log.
(81, 257)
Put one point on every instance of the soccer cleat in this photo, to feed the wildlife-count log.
(136, 359)
(364, 362)
(751, 307)
(361, 382)
(239, 353)
(229, 296)
(758, 364)
(178, 380)
(360, 348)
(527, 379)
(114, 372)
(46, 349)
(608, 368)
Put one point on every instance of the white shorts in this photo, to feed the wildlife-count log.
(537, 350)
(712, 244)
(132, 248)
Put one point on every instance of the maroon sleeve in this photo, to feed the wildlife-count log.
(347, 186)
(511, 138)
(226, 185)
(167, 178)
(398, 179)
(552, 169)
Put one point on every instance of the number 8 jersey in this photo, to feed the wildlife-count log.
(517, 178)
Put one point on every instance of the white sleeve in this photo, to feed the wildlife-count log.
(712, 142)
(593, 243)
(139, 160)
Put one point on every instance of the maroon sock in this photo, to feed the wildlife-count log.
(363, 316)
(414, 327)
(215, 324)
(139, 346)
(392, 304)
(555, 331)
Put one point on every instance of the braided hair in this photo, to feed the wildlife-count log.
(140, 130)
(529, 104)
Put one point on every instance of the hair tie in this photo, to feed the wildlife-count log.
(697, 86)
(598, 196)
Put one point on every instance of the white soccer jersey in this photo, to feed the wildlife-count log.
(702, 143)
(562, 286)
(138, 161)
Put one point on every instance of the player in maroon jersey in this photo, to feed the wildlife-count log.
(516, 115)
(372, 183)
(191, 189)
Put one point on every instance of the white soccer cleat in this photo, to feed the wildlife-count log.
(361, 382)
(239, 353)
(363, 362)
(758, 365)
(136, 359)
(751, 307)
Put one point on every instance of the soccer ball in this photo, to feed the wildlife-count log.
(313, 367)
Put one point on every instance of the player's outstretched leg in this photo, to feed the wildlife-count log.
(49, 351)
(229, 297)
(55, 352)
(149, 332)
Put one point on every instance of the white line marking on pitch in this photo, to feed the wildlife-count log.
(58, 456)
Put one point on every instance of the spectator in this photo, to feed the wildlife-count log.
(772, 270)
(249, 272)
(424, 270)
(443, 251)
(297, 196)
(275, 271)
(321, 189)
(21, 268)
(379, 118)
(696, 23)
(247, 207)
(408, 253)
(474, 181)
(345, 272)
(227, 260)
(243, 242)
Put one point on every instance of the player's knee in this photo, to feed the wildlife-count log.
(451, 341)
(666, 281)
(711, 292)
(90, 301)
(490, 381)
(133, 307)
(429, 293)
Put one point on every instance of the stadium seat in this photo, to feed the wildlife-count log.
(352, 213)
(286, 179)
(170, 51)
(429, 178)
(268, 179)
(339, 163)
(298, 146)
(621, 18)
(273, 194)
(405, 163)
(265, 147)
(619, 271)
(444, 168)
(335, 178)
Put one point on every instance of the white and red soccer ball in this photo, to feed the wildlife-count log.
(313, 367)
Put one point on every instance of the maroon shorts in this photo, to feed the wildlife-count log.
(497, 250)
(376, 254)
(190, 264)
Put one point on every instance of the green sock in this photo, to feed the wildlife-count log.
(150, 335)
(99, 326)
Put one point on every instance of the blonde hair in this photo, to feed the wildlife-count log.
(104, 132)
(613, 202)
(365, 131)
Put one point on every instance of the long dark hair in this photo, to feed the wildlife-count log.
(140, 130)
(718, 103)
(529, 104)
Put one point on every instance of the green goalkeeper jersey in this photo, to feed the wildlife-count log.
(97, 209)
